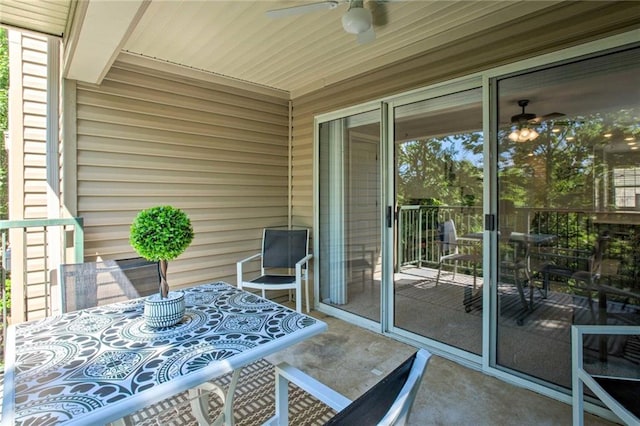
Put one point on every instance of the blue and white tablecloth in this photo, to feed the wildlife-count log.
(106, 359)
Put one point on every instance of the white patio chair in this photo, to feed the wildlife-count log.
(283, 252)
(388, 402)
(453, 248)
(360, 259)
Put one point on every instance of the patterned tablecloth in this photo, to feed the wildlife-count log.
(96, 365)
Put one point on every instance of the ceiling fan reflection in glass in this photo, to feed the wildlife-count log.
(523, 134)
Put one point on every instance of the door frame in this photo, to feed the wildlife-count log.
(474, 81)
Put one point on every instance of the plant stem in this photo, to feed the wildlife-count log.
(164, 285)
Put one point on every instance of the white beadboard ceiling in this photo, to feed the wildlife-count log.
(47, 17)
(293, 55)
(302, 53)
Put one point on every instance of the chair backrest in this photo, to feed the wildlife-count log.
(143, 274)
(89, 284)
(448, 236)
(595, 260)
(389, 402)
(283, 248)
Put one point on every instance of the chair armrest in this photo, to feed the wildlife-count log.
(285, 374)
(467, 245)
(239, 267)
(360, 253)
(301, 262)
(461, 242)
(467, 241)
(312, 386)
(581, 377)
(252, 257)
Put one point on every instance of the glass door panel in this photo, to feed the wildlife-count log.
(568, 214)
(349, 202)
(438, 248)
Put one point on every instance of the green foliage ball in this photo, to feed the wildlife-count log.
(161, 233)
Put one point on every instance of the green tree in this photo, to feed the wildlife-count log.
(432, 169)
(562, 167)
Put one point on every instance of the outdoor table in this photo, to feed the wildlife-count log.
(527, 241)
(97, 365)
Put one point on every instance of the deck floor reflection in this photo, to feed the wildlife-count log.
(536, 342)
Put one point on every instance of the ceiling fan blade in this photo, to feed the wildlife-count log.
(301, 9)
(553, 115)
(379, 12)
(367, 36)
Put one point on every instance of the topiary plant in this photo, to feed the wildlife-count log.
(161, 234)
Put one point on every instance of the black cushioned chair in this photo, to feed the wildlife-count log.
(284, 263)
(388, 402)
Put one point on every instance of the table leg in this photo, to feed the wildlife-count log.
(520, 287)
(602, 320)
(200, 404)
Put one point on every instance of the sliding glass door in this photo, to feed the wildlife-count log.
(349, 225)
(569, 214)
(492, 248)
(438, 169)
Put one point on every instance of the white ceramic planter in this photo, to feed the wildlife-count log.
(160, 312)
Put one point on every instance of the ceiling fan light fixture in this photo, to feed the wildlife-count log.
(357, 20)
(523, 134)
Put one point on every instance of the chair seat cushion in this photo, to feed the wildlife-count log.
(557, 270)
(358, 264)
(460, 256)
(275, 279)
(622, 390)
(374, 404)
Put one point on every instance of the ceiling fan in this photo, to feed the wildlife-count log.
(521, 131)
(356, 20)
(527, 117)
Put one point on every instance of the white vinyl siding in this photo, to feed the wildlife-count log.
(27, 170)
(147, 137)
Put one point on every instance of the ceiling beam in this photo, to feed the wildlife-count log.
(98, 32)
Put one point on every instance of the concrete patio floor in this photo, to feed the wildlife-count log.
(351, 359)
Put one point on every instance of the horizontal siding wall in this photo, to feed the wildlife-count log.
(27, 172)
(568, 24)
(147, 137)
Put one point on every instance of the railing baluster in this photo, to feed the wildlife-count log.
(574, 229)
